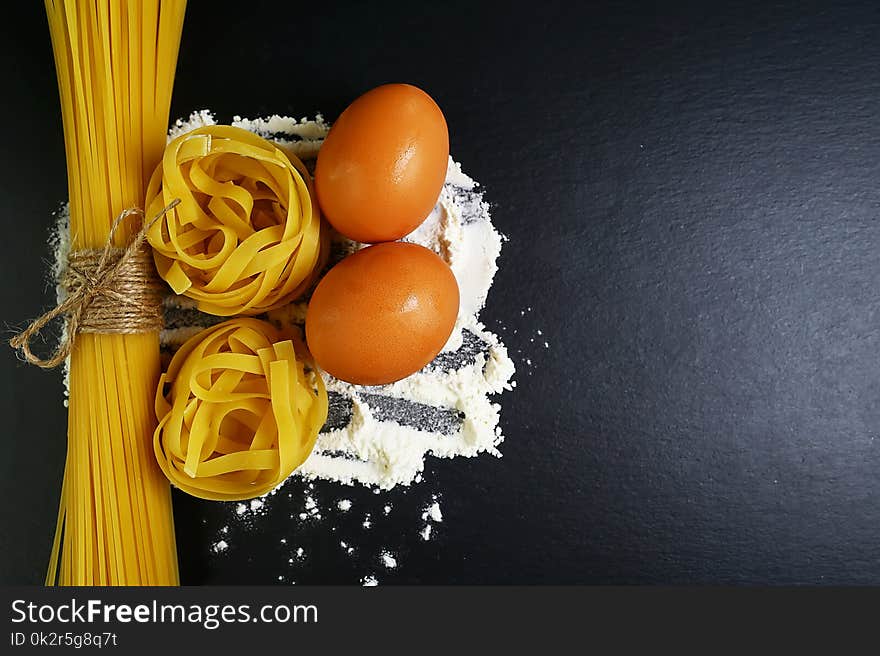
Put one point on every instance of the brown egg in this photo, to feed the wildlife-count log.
(382, 313)
(381, 168)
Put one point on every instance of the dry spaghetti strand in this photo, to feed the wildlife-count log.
(115, 63)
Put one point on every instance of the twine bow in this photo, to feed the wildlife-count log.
(109, 290)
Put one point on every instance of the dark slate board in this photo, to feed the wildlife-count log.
(691, 195)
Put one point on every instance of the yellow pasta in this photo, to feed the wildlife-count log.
(246, 237)
(238, 411)
(115, 63)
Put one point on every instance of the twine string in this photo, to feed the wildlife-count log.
(109, 290)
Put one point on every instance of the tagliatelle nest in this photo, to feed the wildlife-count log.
(238, 411)
(247, 234)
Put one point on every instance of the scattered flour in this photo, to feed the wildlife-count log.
(369, 581)
(312, 511)
(430, 513)
(354, 544)
(433, 512)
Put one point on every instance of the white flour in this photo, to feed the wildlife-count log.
(430, 513)
(367, 542)
(433, 512)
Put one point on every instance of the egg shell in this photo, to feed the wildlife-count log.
(382, 313)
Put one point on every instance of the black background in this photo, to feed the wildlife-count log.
(691, 196)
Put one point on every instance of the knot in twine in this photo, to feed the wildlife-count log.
(109, 290)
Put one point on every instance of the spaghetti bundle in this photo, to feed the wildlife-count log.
(115, 63)
(238, 411)
(246, 237)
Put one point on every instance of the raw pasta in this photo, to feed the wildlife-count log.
(115, 63)
(238, 410)
(246, 237)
